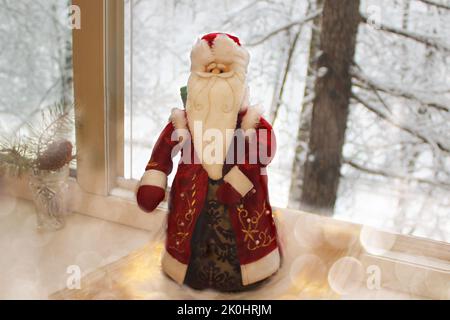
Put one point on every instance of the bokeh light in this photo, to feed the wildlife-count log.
(307, 270)
(7, 205)
(375, 241)
(308, 231)
(346, 275)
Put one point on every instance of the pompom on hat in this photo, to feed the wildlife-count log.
(219, 47)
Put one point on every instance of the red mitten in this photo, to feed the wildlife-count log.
(149, 197)
(228, 195)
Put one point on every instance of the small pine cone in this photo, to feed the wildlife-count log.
(56, 156)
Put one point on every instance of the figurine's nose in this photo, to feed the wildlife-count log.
(217, 68)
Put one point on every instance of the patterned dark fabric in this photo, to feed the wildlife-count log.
(214, 263)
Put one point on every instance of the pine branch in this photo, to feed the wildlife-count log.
(44, 145)
(57, 123)
(15, 155)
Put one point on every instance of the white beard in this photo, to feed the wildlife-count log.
(212, 108)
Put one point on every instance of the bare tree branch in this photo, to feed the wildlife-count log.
(393, 175)
(402, 127)
(397, 92)
(435, 4)
(240, 10)
(410, 35)
(285, 27)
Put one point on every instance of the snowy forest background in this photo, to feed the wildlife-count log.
(394, 168)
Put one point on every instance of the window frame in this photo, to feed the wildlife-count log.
(98, 67)
(89, 74)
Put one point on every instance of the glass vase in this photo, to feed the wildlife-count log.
(49, 189)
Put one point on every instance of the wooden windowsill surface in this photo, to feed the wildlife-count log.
(313, 247)
(322, 259)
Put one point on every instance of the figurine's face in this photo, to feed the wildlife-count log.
(217, 68)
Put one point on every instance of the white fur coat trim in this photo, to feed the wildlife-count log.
(154, 178)
(238, 181)
(249, 121)
(178, 118)
(251, 272)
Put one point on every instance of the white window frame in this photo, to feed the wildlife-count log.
(99, 99)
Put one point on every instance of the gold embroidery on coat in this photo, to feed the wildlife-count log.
(253, 236)
(184, 222)
(152, 164)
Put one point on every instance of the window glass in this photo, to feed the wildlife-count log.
(395, 167)
(35, 61)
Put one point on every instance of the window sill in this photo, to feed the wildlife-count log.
(119, 207)
(405, 260)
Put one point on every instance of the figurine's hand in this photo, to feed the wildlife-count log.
(228, 195)
(149, 197)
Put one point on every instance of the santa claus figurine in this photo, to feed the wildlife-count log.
(220, 232)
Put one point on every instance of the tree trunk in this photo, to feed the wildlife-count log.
(280, 66)
(405, 23)
(286, 71)
(286, 56)
(305, 113)
(332, 90)
(409, 163)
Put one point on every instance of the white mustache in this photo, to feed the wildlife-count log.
(202, 74)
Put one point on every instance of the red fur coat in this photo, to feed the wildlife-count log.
(251, 217)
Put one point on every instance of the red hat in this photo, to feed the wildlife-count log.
(211, 36)
(219, 47)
